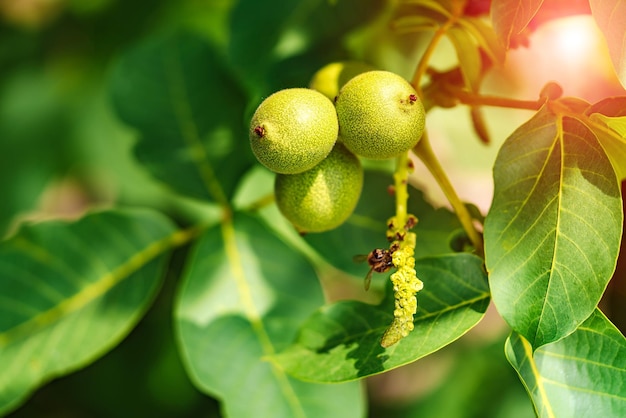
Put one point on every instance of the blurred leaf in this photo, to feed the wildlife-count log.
(342, 341)
(298, 70)
(330, 20)
(571, 105)
(469, 36)
(480, 381)
(610, 15)
(485, 37)
(415, 23)
(366, 228)
(552, 234)
(71, 291)
(177, 91)
(412, 16)
(242, 299)
(580, 375)
(431, 7)
(468, 55)
(264, 33)
(255, 29)
(34, 127)
(511, 17)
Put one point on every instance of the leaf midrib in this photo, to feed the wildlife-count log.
(236, 265)
(90, 292)
(189, 129)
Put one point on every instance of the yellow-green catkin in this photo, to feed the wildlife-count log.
(405, 286)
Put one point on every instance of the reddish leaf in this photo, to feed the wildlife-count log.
(511, 17)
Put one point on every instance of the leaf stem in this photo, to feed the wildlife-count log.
(425, 153)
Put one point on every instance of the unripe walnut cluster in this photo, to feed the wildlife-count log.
(376, 114)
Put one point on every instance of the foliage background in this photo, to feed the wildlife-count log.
(63, 151)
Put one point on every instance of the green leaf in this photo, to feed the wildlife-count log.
(610, 15)
(468, 55)
(36, 128)
(582, 375)
(69, 292)
(255, 30)
(266, 32)
(611, 132)
(342, 341)
(177, 91)
(241, 300)
(474, 374)
(511, 17)
(485, 37)
(419, 15)
(430, 8)
(366, 228)
(552, 234)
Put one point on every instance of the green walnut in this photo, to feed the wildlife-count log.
(323, 197)
(293, 130)
(380, 115)
(329, 79)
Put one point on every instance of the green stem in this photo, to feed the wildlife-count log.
(425, 153)
(261, 202)
(400, 177)
(430, 49)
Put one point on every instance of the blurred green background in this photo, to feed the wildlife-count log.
(62, 151)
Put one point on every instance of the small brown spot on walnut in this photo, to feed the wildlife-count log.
(259, 131)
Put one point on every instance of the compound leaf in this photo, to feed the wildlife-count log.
(341, 341)
(178, 93)
(241, 300)
(70, 291)
(552, 235)
(581, 375)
